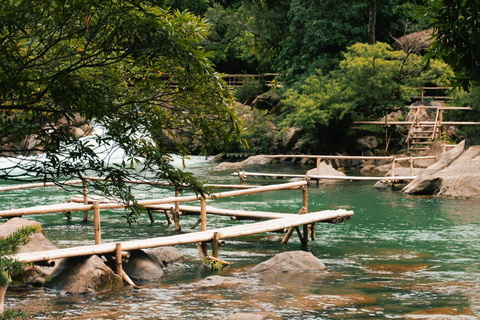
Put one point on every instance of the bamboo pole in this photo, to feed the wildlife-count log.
(118, 252)
(411, 166)
(203, 222)
(318, 165)
(216, 239)
(96, 223)
(176, 212)
(85, 199)
(393, 167)
(195, 237)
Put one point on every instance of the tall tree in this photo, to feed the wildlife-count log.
(131, 67)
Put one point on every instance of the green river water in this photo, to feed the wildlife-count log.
(399, 257)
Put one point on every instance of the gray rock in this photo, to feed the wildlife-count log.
(84, 275)
(143, 267)
(166, 255)
(325, 169)
(295, 261)
(77, 132)
(456, 174)
(368, 142)
(369, 168)
(14, 224)
(37, 242)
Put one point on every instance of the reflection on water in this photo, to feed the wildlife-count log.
(399, 256)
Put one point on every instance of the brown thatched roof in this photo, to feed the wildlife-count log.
(415, 42)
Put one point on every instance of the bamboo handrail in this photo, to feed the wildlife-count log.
(202, 236)
(74, 207)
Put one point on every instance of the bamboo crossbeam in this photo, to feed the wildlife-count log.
(440, 107)
(330, 157)
(74, 207)
(326, 177)
(54, 208)
(202, 236)
(448, 123)
(38, 185)
(224, 212)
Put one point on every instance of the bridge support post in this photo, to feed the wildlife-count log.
(203, 222)
(96, 223)
(176, 212)
(85, 199)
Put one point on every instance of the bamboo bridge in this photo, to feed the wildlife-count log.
(275, 222)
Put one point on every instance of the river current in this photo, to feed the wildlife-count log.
(399, 257)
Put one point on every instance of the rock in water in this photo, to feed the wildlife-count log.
(456, 174)
(143, 267)
(37, 242)
(166, 255)
(295, 261)
(84, 275)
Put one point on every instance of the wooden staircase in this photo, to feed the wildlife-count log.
(422, 134)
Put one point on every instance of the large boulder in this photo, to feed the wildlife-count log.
(325, 169)
(166, 255)
(37, 242)
(456, 174)
(84, 275)
(253, 316)
(295, 261)
(143, 267)
(259, 159)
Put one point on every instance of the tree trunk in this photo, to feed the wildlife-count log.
(372, 21)
(3, 290)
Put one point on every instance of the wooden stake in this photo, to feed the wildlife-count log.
(393, 167)
(176, 212)
(305, 199)
(96, 223)
(85, 199)
(318, 167)
(203, 214)
(150, 215)
(118, 252)
(201, 253)
(313, 236)
(288, 235)
(300, 236)
(216, 239)
(167, 215)
(411, 166)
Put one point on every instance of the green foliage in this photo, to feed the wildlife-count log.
(371, 80)
(8, 246)
(457, 35)
(381, 79)
(250, 89)
(260, 132)
(321, 109)
(130, 66)
(13, 314)
(471, 99)
(216, 265)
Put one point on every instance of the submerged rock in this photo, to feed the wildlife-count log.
(84, 275)
(166, 255)
(252, 316)
(295, 261)
(143, 267)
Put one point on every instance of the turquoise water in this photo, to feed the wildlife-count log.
(400, 257)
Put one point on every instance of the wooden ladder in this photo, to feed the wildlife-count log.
(422, 135)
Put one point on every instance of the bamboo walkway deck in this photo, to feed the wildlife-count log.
(195, 237)
(324, 177)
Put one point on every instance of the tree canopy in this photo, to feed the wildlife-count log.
(130, 67)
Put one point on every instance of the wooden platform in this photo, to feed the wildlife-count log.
(195, 237)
